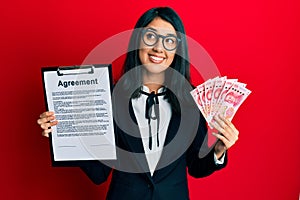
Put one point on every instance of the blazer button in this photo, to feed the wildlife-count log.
(149, 186)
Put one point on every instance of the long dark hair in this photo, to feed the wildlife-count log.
(180, 62)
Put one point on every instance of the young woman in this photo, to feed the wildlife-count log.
(159, 130)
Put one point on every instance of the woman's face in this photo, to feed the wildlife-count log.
(156, 59)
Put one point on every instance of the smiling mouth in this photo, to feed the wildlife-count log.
(156, 59)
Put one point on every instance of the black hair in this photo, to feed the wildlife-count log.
(180, 62)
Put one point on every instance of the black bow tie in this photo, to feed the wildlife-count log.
(152, 102)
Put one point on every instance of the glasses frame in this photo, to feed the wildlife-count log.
(144, 31)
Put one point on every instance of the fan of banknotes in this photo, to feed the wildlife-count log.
(220, 96)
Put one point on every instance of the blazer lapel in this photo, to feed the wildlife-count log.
(131, 155)
(166, 158)
(178, 139)
(134, 144)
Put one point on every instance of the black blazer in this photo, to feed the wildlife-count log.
(180, 155)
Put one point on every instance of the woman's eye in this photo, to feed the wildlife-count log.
(150, 36)
(170, 40)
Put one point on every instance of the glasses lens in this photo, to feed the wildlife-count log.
(170, 42)
(150, 38)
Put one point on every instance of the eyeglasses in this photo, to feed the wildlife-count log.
(150, 38)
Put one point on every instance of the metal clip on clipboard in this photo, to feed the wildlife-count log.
(75, 70)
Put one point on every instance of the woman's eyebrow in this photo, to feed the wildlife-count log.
(152, 29)
(155, 30)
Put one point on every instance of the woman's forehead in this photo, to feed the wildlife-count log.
(161, 26)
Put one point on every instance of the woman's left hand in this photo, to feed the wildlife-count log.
(227, 134)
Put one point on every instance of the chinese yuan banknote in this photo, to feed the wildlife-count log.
(220, 96)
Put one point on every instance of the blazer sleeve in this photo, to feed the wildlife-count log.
(96, 171)
(202, 163)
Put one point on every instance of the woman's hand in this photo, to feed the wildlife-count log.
(46, 121)
(227, 134)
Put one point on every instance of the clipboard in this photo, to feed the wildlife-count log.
(88, 141)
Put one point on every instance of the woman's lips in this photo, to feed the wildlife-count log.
(156, 59)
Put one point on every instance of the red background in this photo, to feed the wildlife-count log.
(255, 41)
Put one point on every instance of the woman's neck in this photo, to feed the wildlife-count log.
(153, 82)
(153, 87)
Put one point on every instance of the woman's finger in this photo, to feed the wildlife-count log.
(46, 132)
(45, 120)
(222, 127)
(46, 114)
(46, 126)
(228, 134)
(229, 123)
(225, 141)
(220, 122)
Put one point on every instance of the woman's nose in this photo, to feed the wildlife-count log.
(159, 45)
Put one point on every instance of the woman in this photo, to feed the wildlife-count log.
(159, 130)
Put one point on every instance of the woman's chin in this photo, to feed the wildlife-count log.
(153, 68)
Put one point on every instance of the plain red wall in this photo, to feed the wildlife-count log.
(255, 41)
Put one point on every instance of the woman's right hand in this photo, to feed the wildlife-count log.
(46, 121)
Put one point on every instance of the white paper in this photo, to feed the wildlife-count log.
(82, 106)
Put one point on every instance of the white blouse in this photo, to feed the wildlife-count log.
(165, 112)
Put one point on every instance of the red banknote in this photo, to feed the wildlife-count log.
(220, 96)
